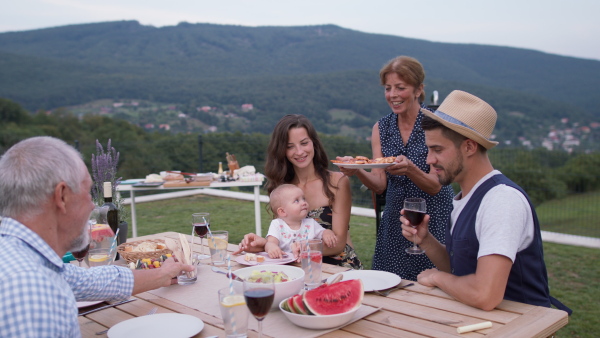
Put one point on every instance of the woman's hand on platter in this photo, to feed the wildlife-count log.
(347, 171)
(400, 166)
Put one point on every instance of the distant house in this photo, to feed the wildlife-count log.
(118, 104)
(149, 126)
(164, 126)
(246, 107)
(182, 115)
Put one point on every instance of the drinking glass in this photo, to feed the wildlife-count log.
(189, 277)
(259, 298)
(311, 257)
(200, 226)
(100, 257)
(234, 313)
(79, 255)
(217, 244)
(414, 211)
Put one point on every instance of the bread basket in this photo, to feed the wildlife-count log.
(133, 256)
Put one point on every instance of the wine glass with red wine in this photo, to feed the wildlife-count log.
(80, 255)
(200, 226)
(259, 299)
(414, 211)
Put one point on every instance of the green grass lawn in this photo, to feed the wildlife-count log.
(573, 271)
(576, 215)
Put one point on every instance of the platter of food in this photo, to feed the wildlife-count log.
(261, 258)
(362, 162)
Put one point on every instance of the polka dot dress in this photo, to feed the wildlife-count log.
(389, 248)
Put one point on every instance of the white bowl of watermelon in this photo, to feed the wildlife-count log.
(325, 307)
(292, 284)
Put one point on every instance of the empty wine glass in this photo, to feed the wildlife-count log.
(259, 298)
(414, 211)
(200, 225)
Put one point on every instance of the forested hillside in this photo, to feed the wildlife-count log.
(317, 71)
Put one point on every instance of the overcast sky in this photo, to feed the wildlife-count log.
(570, 28)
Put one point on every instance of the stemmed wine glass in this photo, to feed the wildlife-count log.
(259, 298)
(80, 255)
(414, 211)
(200, 225)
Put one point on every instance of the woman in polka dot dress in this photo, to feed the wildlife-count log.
(399, 134)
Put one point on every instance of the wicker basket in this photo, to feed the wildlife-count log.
(133, 256)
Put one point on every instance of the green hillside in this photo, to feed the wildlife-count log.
(312, 70)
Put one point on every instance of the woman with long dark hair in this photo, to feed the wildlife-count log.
(296, 156)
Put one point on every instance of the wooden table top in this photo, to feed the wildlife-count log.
(415, 311)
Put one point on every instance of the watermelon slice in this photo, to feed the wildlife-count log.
(334, 298)
(298, 304)
(101, 231)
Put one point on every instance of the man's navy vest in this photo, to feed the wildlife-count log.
(528, 279)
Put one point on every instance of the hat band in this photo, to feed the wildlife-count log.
(451, 119)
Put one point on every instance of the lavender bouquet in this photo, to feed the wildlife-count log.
(104, 169)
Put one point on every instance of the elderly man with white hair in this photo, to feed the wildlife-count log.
(45, 204)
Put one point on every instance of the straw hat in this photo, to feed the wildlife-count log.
(467, 115)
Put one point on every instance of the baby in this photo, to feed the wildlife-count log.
(289, 205)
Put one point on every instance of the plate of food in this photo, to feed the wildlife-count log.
(363, 162)
(261, 258)
(159, 325)
(372, 279)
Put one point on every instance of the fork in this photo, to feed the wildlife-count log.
(151, 312)
(385, 293)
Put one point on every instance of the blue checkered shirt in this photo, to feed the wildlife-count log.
(38, 292)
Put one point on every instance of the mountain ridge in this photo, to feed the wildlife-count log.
(309, 69)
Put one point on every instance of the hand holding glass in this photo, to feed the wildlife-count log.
(414, 212)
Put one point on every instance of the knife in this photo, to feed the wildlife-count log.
(107, 306)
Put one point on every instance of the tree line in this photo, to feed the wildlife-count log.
(546, 175)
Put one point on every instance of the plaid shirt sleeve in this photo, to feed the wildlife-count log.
(111, 283)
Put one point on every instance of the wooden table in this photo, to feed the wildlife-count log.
(416, 311)
(256, 184)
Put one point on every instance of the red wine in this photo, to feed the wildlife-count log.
(80, 254)
(201, 228)
(414, 217)
(259, 301)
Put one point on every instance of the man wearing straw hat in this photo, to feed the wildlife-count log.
(493, 245)
(45, 204)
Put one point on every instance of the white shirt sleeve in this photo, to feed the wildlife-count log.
(274, 229)
(316, 228)
(504, 223)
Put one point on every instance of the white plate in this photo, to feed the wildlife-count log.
(363, 166)
(268, 261)
(372, 279)
(161, 325)
(86, 304)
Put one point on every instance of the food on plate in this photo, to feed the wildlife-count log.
(147, 247)
(327, 299)
(260, 259)
(148, 263)
(173, 177)
(250, 257)
(366, 160)
(153, 178)
(263, 276)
